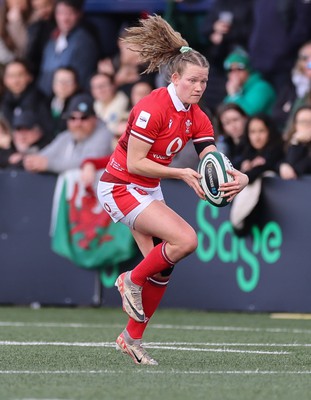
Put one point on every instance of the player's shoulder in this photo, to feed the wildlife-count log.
(196, 109)
(154, 106)
(154, 101)
(200, 117)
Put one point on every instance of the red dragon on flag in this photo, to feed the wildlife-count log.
(84, 233)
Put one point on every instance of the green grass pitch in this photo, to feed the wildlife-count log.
(69, 354)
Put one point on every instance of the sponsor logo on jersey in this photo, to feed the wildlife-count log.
(143, 119)
(114, 164)
(174, 146)
(159, 157)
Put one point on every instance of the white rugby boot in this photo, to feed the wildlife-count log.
(131, 297)
(134, 348)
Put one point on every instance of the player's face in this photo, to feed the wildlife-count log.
(191, 85)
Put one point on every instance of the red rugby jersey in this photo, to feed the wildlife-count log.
(161, 120)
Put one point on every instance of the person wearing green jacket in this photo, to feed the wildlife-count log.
(246, 87)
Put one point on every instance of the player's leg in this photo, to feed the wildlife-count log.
(152, 294)
(130, 340)
(179, 240)
(153, 289)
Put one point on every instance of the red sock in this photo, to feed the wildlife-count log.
(156, 261)
(152, 294)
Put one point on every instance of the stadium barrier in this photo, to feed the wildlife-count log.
(268, 271)
(150, 6)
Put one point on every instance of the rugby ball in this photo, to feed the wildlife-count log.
(212, 168)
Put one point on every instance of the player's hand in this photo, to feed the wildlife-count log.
(231, 189)
(191, 177)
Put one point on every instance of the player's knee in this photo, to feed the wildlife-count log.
(189, 242)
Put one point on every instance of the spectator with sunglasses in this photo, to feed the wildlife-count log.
(246, 87)
(85, 137)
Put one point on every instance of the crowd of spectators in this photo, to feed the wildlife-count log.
(65, 99)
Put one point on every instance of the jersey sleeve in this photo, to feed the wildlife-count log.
(146, 121)
(204, 131)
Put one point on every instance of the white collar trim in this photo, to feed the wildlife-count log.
(175, 99)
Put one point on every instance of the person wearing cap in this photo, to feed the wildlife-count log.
(85, 137)
(71, 44)
(28, 136)
(246, 87)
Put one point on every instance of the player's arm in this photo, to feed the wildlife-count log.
(206, 150)
(139, 164)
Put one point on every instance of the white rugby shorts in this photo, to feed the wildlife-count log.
(124, 202)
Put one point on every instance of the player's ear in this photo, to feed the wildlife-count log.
(175, 78)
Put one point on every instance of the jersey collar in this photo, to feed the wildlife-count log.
(176, 101)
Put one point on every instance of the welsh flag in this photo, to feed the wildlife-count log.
(84, 233)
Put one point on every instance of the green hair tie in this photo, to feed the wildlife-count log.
(184, 49)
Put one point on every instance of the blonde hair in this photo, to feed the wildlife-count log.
(159, 45)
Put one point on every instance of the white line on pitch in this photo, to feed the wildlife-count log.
(232, 344)
(154, 371)
(152, 326)
(147, 345)
(217, 350)
(228, 328)
(57, 325)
